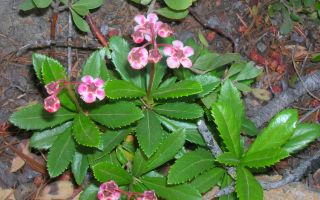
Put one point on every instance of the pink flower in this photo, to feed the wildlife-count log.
(178, 54)
(109, 191)
(52, 88)
(52, 103)
(163, 29)
(148, 195)
(154, 55)
(90, 89)
(146, 27)
(138, 57)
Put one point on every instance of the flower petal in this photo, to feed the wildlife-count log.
(87, 79)
(152, 18)
(188, 51)
(177, 44)
(140, 19)
(88, 97)
(186, 63)
(168, 51)
(83, 88)
(98, 83)
(173, 62)
(100, 94)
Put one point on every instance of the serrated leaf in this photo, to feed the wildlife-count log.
(158, 184)
(277, 133)
(168, 82)
(149, 133)
(180, 110)
(179, 89)
(228, 126)
(116, 89)
(193, 136)
(248, 72)
(139, 163)
(178, 4)
(228, 158)
(34, 117)
(85, 131)
(44, 139)
(160, 70)
(208, 83)
(211, 61)
(172, 14)
(99, 157)
(96, 66)
(88, 4)
(104, 172)
(79, 166)
(247, 187)
(264, 158)
(37, 61)
(167, 150)
(80, 23)
(189, 166)
(204, 182)
(27, 5)
(89, 193)
(231, 97)
(249, 128)
(42, 3)
(120, 50)
(61, 153)
(202, 39)
(301, 137)
(116, 115)
(227, 181)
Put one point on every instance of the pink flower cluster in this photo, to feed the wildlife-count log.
(111, 191)
(149, 28)
(89, 90)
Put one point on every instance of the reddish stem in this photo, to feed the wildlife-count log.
(54, 25)
(152, 73)
(96, 32)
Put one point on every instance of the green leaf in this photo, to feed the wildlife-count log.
(227, 181)
(167, 150)
(286, 27)
(249, 128)
(107, 171)
(80, 9)
(116, 115)
(231, 97)
(99, 157)
(208, 83)
(90, 193)
(301, 137)
(179, 89)
(316, 57)
(158, 184)
(247, 187)
(96, 66)
(34, 117)
(44, 139)
(120, 50)
(264, 158)
(178, 4)
(37, 61)
(92, 4)
(228, 158)
(61, 153)
(160, 71)
(228, 125)
(278, 131)
(172, 14)
(180, 110)
(205, 61)
(27, 5)
(149, 133)
(204, 182)
(42, 3)
(248, 72)
(80, 23)
(116, 89)
(202, 39)
(211, 61)
(189, 166)
(85, 131)
(79, 167)
(139, 163)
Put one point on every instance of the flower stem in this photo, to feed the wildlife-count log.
(73, 97)
(151, 78)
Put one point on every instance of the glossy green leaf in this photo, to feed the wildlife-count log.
(249, 71)
(42, 3)
(211, 61)
(34, 117)
(167, 150)
(204, 182)
(139, 163)
(61, 153)
(44, 139)
(249, 128)
(180, 110)
(79, 167)
(120, 50)
(179, 89)
(96, 66)
(301, 137)
(179, 192)
(89, 193)
(27, 5)
(208, 83)
(247, 187)
(85, 131)
(37, 61)
(149, 133)
(98, 157)
(116, 89)
(189, 166)
(116, 115)
(277, 133)
(178, 4)
(172, 14)
(228, 125)
(92, 4)
(104, 172)
(228, 158)
(80, 23)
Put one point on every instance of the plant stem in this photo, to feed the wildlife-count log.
(96, 32)
(73, 97)
(152, 74)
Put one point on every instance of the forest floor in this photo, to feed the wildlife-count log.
(18, 177)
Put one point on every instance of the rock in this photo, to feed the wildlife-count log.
(297, 38)
(261, 47)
